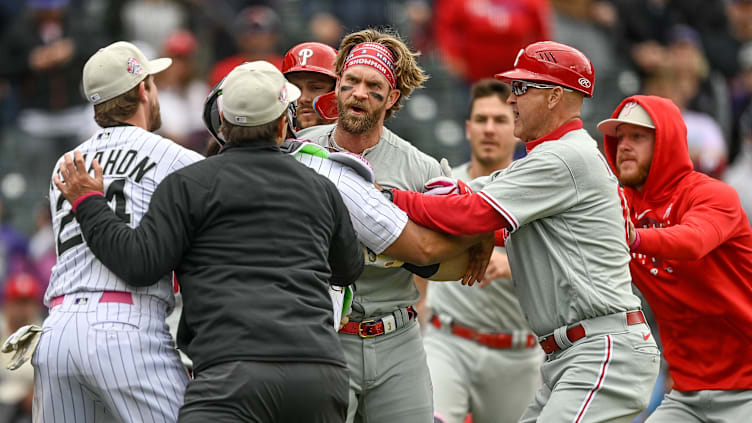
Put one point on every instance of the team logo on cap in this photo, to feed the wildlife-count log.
(627, 109)
(304, 55)
(584, 82)
(517, 59)
(134, 67)
(283, 95)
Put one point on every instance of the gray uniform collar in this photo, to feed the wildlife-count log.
(332, 144)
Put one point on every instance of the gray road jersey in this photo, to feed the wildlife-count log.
(397, 164)
(494, 308)
(567, 247)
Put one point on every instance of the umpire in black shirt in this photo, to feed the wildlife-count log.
(254, 237)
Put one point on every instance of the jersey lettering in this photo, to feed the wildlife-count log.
(114, 192)
(115, 165)
(63, 246)
(141, 168)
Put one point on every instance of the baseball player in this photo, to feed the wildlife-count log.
(105, 353)
(691, 258)
(482, 356)
(310, 67)
(562, 220)
(257, 326)
(383, 228)
(389, 378)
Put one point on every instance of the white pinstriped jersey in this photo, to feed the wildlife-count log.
(397, 164)
(376, 220)
(134, 161)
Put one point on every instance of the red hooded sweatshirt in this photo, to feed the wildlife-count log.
(693, 263)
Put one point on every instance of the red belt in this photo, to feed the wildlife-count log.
(371, 328)
(578, 332)
(493, 340)
(107, 297)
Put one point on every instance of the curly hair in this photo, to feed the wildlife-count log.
(407, 72)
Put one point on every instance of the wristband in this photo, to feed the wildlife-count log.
(389, 194)
(84, 197)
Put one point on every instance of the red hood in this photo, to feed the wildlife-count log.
(671, 160)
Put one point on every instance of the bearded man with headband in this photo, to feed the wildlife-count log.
(389, 379)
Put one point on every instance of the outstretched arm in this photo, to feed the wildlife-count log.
(711, 220)
(422, 246)
(468, 267)
(467, 214)
(458, 257)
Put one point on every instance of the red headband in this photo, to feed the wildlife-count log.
(375, 56)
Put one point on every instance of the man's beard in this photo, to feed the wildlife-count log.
(358, 124)
(637, 179)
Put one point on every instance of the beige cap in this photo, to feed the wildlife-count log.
(117, 68)
(631, 113)
(256, 93)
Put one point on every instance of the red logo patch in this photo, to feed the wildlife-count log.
(134, 67)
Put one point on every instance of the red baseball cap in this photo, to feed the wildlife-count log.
(21, 286)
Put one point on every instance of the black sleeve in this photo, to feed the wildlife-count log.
(345, 252)
(142, 255)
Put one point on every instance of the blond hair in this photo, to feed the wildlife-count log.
(407, 72)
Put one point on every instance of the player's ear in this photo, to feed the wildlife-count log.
(142, 94)
(555, 96)
(282, 129)
(394, 95)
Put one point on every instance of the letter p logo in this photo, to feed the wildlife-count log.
(304, 55)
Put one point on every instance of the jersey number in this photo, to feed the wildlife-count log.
(114, 191)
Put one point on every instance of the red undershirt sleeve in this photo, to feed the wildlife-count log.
(500, 237)
(452, 214)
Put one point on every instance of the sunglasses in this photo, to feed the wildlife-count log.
(520, 87)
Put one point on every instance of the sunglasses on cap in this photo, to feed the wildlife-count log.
(520, 87)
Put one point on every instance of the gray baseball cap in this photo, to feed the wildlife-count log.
(631, 113)
(115, 69)
(256, 93)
